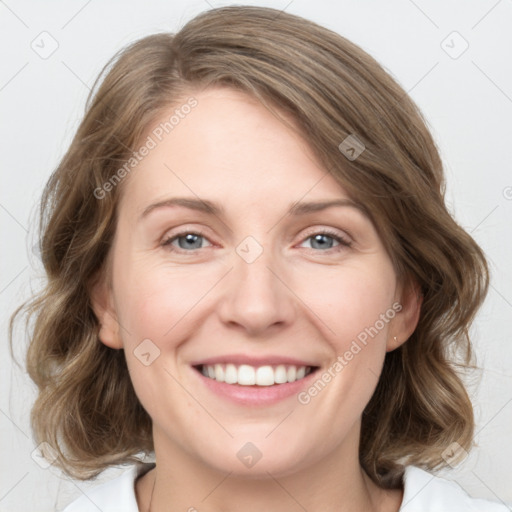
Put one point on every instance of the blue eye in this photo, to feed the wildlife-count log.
(326, 241)
(186, 241)
(189, 241)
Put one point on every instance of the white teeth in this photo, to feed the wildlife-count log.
(246, 375)
(219, 372)
(231, 375)
(265, 376)
(291, 374)
(280, 376)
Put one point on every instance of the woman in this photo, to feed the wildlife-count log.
(253, 276)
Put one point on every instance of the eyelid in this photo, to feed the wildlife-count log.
(170, 236)
(343, 235)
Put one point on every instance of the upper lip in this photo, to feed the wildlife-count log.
(256, 361)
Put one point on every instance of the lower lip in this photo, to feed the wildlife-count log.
(256, 395)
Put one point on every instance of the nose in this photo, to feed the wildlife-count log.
(256, 297)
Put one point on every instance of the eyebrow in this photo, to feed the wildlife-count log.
(205, 206)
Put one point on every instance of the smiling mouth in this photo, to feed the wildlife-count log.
(246, 375)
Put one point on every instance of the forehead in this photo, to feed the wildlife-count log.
(232, 148)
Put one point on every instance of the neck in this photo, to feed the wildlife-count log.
(336, 483)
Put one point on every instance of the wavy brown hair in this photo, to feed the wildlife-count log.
(87, 408)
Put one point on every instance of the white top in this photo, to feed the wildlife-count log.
(423, 492)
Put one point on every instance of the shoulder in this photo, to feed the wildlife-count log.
(424, 492)
(116, 495)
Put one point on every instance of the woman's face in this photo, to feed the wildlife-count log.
(229, 261)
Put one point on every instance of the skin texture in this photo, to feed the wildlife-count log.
(298, 298)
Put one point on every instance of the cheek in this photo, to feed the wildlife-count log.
(351, 301)
(355, 302)
(154, 302)
(156, 299)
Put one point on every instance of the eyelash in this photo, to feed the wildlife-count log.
(344, 243)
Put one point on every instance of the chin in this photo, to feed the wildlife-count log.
(255, 460)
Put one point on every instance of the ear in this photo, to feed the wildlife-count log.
(104, 309)
(406, 319)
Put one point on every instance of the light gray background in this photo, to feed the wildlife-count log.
(467, 101)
